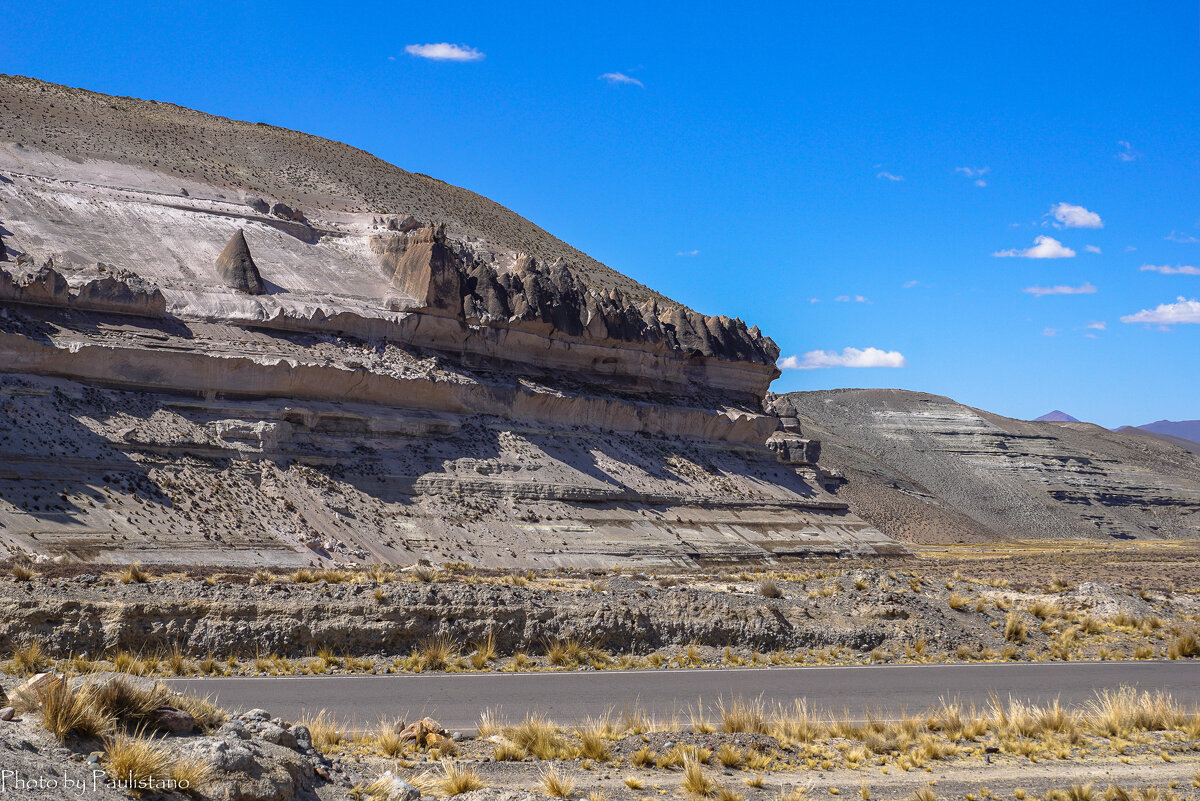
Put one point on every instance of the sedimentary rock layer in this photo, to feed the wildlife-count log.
(923, 468)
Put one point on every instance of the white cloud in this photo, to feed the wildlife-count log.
(976, 173)
(1049, 332)
(688, 253)
(1098, 325)
(887, 176)
(851, 299)
(1166, 269)
(1174, 236)
(814, 300)
(1181, 311)
(616, 78)
(911, 284)
(1039, 291)
(1071, 216)
(849, 357)
(1044, 247)
(1092, 249)
(444, 51)
(1127, 153)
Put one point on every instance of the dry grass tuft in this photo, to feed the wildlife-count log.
(743, 716)
(29, 659)
(769, 589)
(136, 757)
(536, 735)
(694, 781)
(1014, 629)
(556, 783)
(21, 572)
(67, 713)
(134, 574)
(456, 780)
(1185, 645)
(326, 734)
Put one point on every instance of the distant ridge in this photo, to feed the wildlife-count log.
(1055, 416)
(1184, 433)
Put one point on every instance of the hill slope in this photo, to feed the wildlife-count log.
(248, 158)
(926, 469)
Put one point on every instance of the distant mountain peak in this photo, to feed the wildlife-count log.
(1055, 416)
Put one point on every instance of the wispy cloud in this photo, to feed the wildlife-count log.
(444, 51)
(1097, 325)
(851, 299)
(1092, 249)
(1039, 291)
(1126, 153)
(911, 284)
(974, 173)
(1179, 312)
(1044, 247)
(1175, 236)
(1166, 269)
(1069, 215)
(887, 176)
(848, 357)
(1049, 332)
(688, 253)
(619, 78)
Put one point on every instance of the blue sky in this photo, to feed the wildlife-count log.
(764, 161)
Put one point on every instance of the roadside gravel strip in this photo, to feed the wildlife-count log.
(456, 700)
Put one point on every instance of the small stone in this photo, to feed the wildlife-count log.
(257, 714)
(278, 736)
(303, 737)
(233, 728)
(7, 713)
(458, 737)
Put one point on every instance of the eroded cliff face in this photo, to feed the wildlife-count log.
(196, 372)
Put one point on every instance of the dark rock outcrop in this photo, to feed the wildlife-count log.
(237, 268)
(552, 300)
(258, 204)
(423, 267)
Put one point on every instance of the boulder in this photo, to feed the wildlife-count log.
(408, 223)
(283, 211)
(258, 204)
(176, 721)
(420, 731)
(8, 713)
(391, 787)
(237, 268)
(278, 735)
(37, 687)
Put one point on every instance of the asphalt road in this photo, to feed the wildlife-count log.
(456, 700)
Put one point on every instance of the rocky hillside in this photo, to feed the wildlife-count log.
(923, 468)
(225, 342)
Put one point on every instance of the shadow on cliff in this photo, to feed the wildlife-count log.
(54, 468)
(586, 467)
